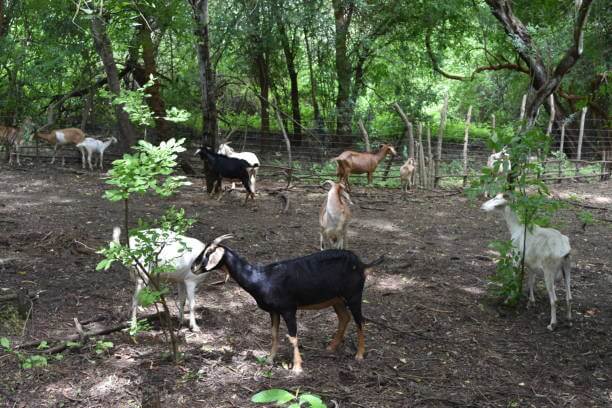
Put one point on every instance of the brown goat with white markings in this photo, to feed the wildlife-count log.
(61, 137)
(12, 138)
(350, 162)
(334, 217)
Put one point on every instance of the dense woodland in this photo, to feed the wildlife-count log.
(324, 64)
(492, 116)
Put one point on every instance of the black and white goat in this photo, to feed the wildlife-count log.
(332, 278)
(547, 252)
(227, 168)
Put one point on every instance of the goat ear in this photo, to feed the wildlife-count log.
(196, 266)
(214, 258)
(346, 197)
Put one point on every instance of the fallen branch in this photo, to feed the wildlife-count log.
(63, 343)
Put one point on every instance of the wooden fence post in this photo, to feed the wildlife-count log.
(421, 164)
(465, 145)
(430, 164)
(408, 125)
(580, 138)
(440, 136)
(287, 143)
(523, 103)
(364, 133)
(551, 101)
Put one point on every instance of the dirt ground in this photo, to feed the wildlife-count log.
(434, 338)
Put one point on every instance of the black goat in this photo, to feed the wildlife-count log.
(328, 278)
(228, 168)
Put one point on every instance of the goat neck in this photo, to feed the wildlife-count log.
(243, 272)
(514, 225)
(335, 204)
(381, 153)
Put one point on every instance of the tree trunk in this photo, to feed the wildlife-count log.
(104, 50)
(293, 78)
(207, 83)
(155, 101)
(313, 87)
(343, 12)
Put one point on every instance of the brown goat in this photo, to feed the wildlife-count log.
(13, 138)
(350, 162)
(334, 217)
(61, 137)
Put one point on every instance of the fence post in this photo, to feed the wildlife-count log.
(429, 160)
(408, 129)
(287, 143)
(421, 154)
(465, 145)
(580, 138)
(551, 101)
(440, 135)
(364, 133)
(523, 103)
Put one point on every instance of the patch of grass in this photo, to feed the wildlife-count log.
(10, 321)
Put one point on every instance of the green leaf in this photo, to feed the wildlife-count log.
(313, 400)
(5, 343)
(272, 395)
(43, 345)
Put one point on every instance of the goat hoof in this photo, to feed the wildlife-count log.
(359, 357)
(551, 327)
(297, 370)
(195, 329)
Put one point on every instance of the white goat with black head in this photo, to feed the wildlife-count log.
(547, 252)
(334, 217)
(182, 254)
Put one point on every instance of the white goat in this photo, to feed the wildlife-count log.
(184, 255)
(251, 158)
(334, 217)
(407, 174)
(92, 146)
(547, 252)
(502, 156)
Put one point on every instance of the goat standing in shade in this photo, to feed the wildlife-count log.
(226, 150)
(350, 162)
(332, 278)
(61, 137)
(228, 168)
(92, 146)
(334, 217)
(547, 252)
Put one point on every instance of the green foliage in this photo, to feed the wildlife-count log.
(506, 282)
(103, 346)
(147, 170)
(142, 325)
(282, 397)
(586, 217)
(25, 361)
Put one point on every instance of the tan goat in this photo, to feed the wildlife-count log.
(61, 137)
(334, 217)
(350, 162)
(407, 172)
(12, 138)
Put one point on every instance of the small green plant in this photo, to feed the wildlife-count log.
(103, 346)
(505, 283)
(148, 170)
(586, 217)
(286, 399)
(25, 361)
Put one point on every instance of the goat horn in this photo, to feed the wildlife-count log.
(218, 240)
(197, 152)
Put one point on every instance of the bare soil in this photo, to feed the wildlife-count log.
(435, 337)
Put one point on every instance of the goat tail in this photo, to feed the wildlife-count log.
(117, 235)
(566, 266)
(369, 266)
